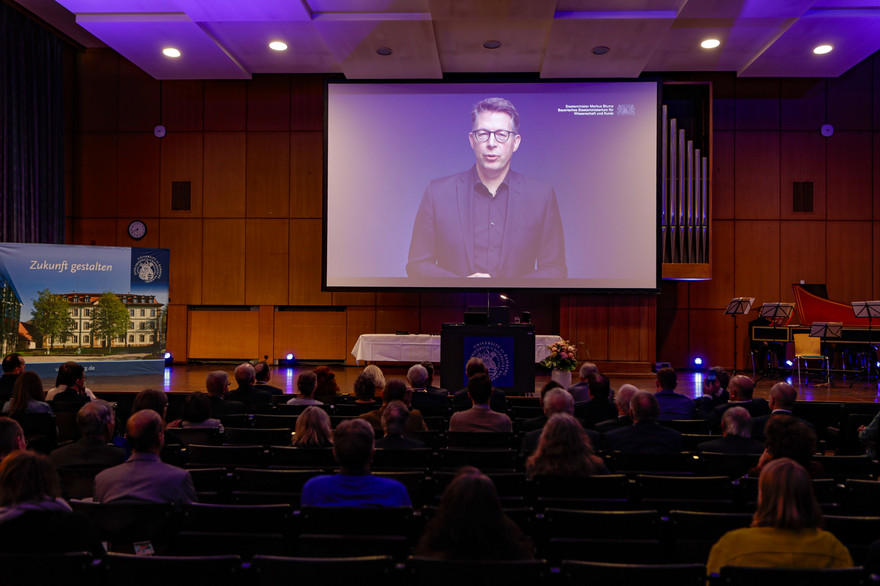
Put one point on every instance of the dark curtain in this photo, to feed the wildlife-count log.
(32, 126)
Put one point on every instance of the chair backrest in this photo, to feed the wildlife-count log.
(206, 436)
(220, 518)
(357, 520)
(575, 572)
(477, 439)
(303, 457)
(79, 482)
(122, 524)
(807, 345)
(645, 524)
(225, 455)
(483, 459)
(262, 480)
(434, 572)
(190, 570)
(743, 576)
(272, 570)
(259, 436)
(70, 569)
(268, 421)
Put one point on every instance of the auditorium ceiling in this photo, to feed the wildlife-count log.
(426, 39)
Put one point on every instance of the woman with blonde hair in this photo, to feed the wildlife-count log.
(312, 429)
(786, 530)
(564, 449)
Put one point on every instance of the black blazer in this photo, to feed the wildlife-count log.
(644, 437)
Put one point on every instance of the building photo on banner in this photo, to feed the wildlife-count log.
(104, 307)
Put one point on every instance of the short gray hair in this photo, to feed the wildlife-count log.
(736, 421)
(216, 381)
(502, 105)
(587, 369)
(558, 400)
(93, 418)
(417, 375)
(624, 396)
(394, 418)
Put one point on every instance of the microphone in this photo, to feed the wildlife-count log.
(525, 317)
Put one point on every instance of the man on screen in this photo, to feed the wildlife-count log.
(488, 221)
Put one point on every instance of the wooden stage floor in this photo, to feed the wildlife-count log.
(191, 377)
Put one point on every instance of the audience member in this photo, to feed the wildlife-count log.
(621, 400)
(217, 385)
(246, 392)
(93, 450)
(564, 450)
(13, 365)
(480, 417)
(470, 524)
(786, 437)
(783, 397)
(429, 366)
(67, 372)
(786, 529)
(742, 390)
(27, 395)
(306, 383)
(373, 374)
(196, 413)
(599, 407)
(72, 377)
(34, 518)
(422, 397)
(143, 477)
(365, 389)
(262, 374)
(538, 422)
(327, 391)
(11, 437)
(736, 424)
(714, 391)
(581, 390)
(555, 400)
(395, 416)
(870, 436)
(672, 405)
(395, 390)
(312, 429)
(461, 400)
(645, 435)
(354, 486)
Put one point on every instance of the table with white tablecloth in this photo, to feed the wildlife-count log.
(412, 348)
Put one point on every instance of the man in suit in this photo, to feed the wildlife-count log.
(480, 417)
(143, 477)
(714, 391)
(462, 400)
(783, 397)
(599, 407)
(262, 373)
(217, 385)
(672, 405)
(246, 392)
(621, 400)
(742, 390)
(736, 423)
(394, 423)
(489, 221)
(580, 391)
(645, 435)
(429, 366)
(93, 449)
(555, 401)
(434, 402)
(13, 365)
(11, 436)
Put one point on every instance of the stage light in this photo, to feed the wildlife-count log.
(288, 360)
(789, 363)
(289, 356)
(878, 364)
(169, 359)
(698, 361)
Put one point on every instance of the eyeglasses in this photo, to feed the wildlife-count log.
(500, 135)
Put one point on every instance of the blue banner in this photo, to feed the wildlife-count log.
(496, 353)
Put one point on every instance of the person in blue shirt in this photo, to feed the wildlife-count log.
(354, 486)
(672, 405)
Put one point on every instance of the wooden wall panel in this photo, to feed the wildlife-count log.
(268, 175)
(183, 237)
(137, 192)
(723, 175)
(138, 99)
(311, 335)
(366, 298)
(710, 333)
(802, 256)
(183, 105)
(757, 175)
(151, 240)
(225, 174)
(306, 174)
(397, 299)
(268, 103)
(633, 318)
(392, 319)
(723, 101)
(94, 231)
(267, 253)
(182, 157)
(850, 99)
(176, 336)
(224, 335)
(757, 103)
(97, 97)
(358, 320)
(588, 327)
(305, 264)
(876, 261)
(223, 274)
(307, 103)
(850, 258)
(719, 290)
(876, 167)
(267, 333)
(803, 159)
(431, 319)
(803, 103)
(850, 176)
(225, 105)
(756, 268)
(674, 294)
(673, 336)
(447, 299)
(95, 183)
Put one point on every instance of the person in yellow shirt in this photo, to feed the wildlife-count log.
(786, 531)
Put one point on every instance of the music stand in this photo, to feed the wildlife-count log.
(824, 331)
(775, 312)
(737, 306)
(870, 310)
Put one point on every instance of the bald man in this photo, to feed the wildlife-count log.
(143, 477)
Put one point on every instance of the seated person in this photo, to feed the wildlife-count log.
(787, 437)
(196, 413)
(786, 530)
(645, 435)
(312, 429)
(72, 377)
(62, 380)
(394, 422)
(27, 395)
(736, 424)
(96, 423)
(306, 383)
(326, 390)
(564, 450)
(395, 390)
(480, 417)
(354, 486)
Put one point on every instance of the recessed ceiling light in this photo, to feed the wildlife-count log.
(492, 44)
(278, 46)
(384, 51)
(710, 43)
(600, 50)
(171, 52)
(822, 49)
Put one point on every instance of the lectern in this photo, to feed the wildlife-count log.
(508, 351)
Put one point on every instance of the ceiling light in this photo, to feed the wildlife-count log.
(278, 46)
(600, 50)
(171, 52)
(492, 44)
(384, 51)
(710, 43)
(822, 49)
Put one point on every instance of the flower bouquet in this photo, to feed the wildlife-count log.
(562, 357)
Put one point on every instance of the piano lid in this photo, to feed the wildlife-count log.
(811, 308)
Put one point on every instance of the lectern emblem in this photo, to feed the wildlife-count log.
(494, 357)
